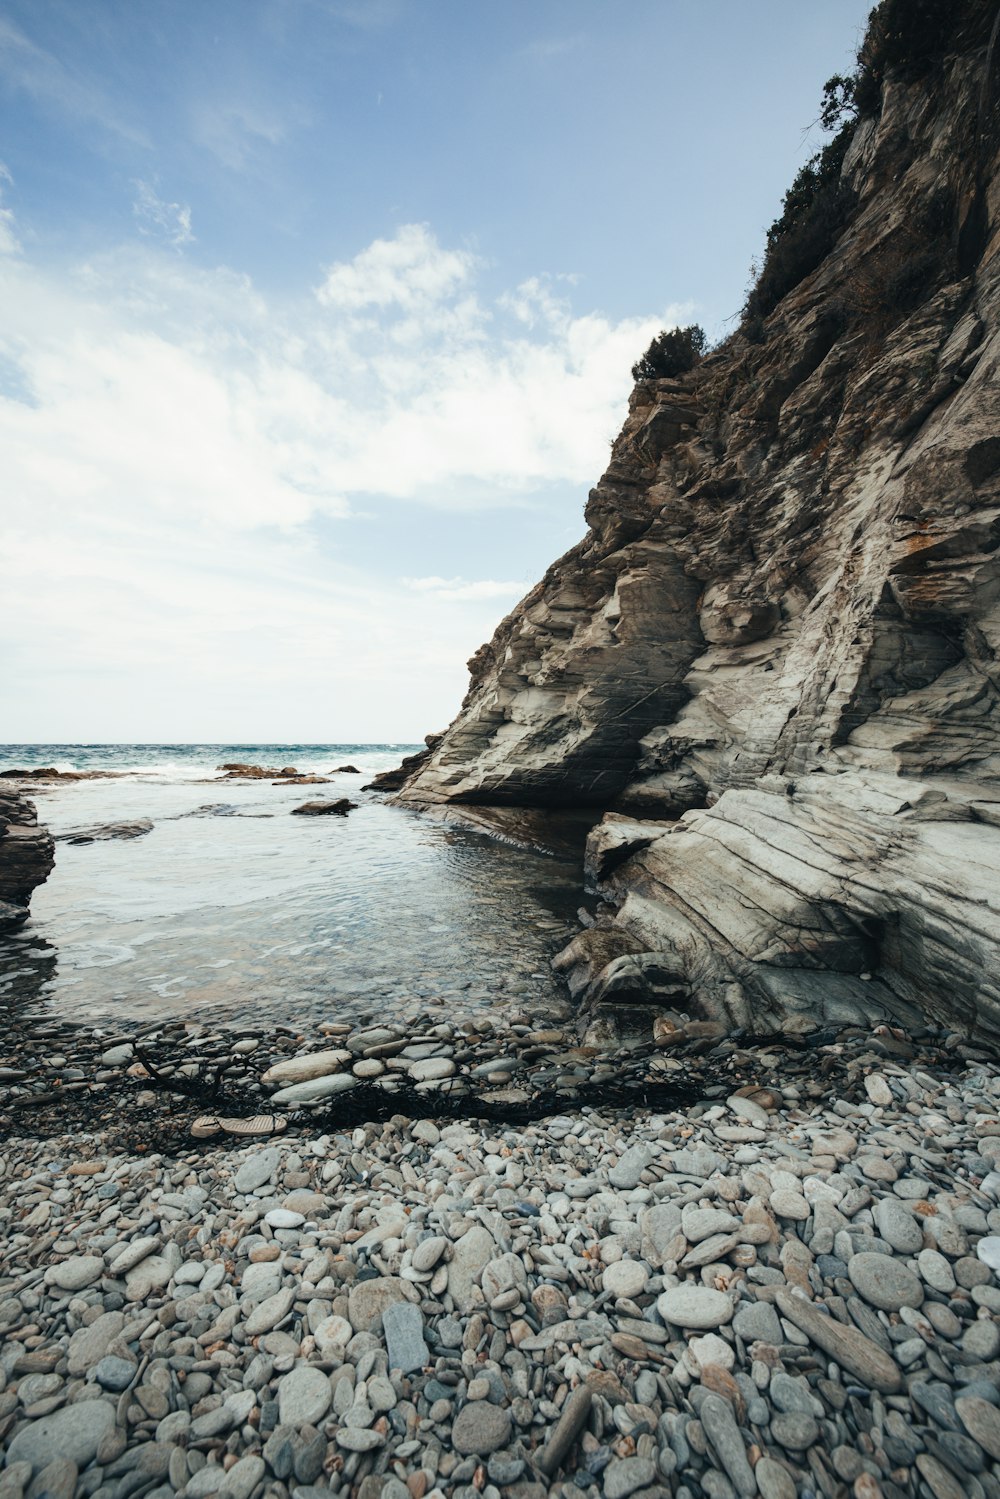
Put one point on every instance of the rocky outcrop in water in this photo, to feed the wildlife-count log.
(774, 656)
(26, 857)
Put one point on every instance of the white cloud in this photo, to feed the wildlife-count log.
(175, 437)
(41, 75)
(236, 132)
(461, 590)
(410, 270)
(8, 235)
(172, 221)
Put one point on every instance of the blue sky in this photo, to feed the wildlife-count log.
(317, 319)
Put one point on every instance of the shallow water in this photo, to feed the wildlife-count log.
(231, 910)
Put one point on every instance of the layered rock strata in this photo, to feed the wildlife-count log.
(774, 656)
(26, 857)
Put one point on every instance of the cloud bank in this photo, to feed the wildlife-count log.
(173, 436)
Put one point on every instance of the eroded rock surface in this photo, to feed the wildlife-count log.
(26, 857)
(782, 627)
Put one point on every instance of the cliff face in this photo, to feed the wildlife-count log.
(26, 857)
(774, 656)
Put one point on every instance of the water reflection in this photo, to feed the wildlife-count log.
(240, 912)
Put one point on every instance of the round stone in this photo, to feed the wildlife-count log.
(757, 1321)
(898, 1226)
(623, 1476)
(304, 1396)
(317, 1090)
(794, 1429)
(790, 1205)
(936, 1270)
(988, 1250)
(432, 1069)
(710, 1349)
(480, 1428)
(625, 1278)
(982, 1421)
(773, 1480)
(878, 1090)
(283, 1218)
(884, 1282)
(76, 1273)
(368, 1067)
(427, 1253)
(114, 1373)
(695, 1306)
(981, 1341)
(257, 1169)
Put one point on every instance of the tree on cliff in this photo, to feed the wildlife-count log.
(672, 352)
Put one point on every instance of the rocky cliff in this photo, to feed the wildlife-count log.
(26, 857)
(773, 659)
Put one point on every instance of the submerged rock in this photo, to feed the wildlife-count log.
(107, 831)
(322, 809)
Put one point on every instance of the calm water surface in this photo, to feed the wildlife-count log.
(232, 910)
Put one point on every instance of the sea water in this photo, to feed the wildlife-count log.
(232, 910)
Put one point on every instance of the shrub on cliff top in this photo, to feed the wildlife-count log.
(906, 38)
(673, 351)
(815, 210)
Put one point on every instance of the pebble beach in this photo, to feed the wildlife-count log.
(790, 1287)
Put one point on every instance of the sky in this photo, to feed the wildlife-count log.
(317, 320)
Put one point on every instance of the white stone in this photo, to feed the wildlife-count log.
(626, 1278)
(305, 1069)
(695, 1306)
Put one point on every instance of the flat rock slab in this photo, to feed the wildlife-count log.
(73, 1433)
(403, 1325)
(316, 1089)
(306, 1068)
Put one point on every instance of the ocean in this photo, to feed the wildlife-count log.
(232, 911)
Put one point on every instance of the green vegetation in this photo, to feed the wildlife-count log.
(815, 210)
(672, 352)
(904, 38)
